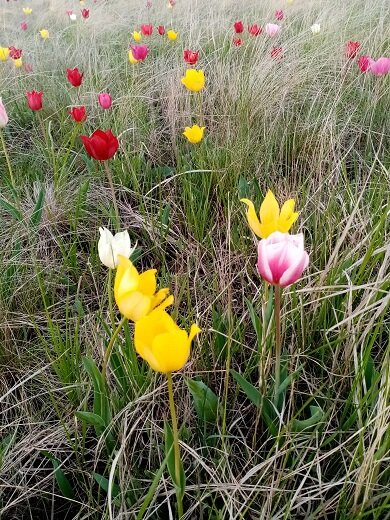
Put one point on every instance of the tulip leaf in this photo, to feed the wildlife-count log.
(316, 415)
(9, 208)
(62, 481)
(104, 484)
(93, 419)
(38, 209)
(205, 400)
(170, 455)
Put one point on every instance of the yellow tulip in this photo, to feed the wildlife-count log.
(172, 35)
(135, 294)
(194, 134)
(27, 10)
(18, 63)
(137, 36)
(193, 80)
(271, 217)
(132, 60)
(44, 34)
(160, 342)
(4, 52)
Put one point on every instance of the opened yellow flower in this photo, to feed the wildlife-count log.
(193, 80)
(4, 52)
(194, 134)
(160, 342)
(135, 294)
(271, 217)
(137, 36)
(27, 10)
(172, 35)
(132, 60)
(44, 34)
(18, 63)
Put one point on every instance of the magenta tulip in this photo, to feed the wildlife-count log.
(282, 258)
(105, 100)
(380, 67)
(139, 52)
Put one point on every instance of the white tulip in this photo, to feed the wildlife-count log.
(315, 28)
(73, 17)
(109, 247)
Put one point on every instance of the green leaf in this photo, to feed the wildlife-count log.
(316, 415)
(101, 403)
(104, 484)
(205, 400)
(37, 213)
(170, 455)
(9, 208)
(92, 418)
(62, 481)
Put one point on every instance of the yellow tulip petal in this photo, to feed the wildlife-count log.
(166, 303)
(269, 214)
(252, 217)
(287, 216)
(126, 278)
(134, 305)
(147, 282)
(170, 351)
(194, 331)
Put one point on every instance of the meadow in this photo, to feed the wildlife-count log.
(277, 403)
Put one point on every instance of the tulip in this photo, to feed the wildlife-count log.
(4, 53)
(136, 36)
(79, 114)
(149, 4)
(364, 63)
(237, 42)
(15, 53)
(18, 63)
(238, 27)
(135, 294)
(171, 3)
(276, 53)
(255, 29)
(161, 343)
(74, 77)
(3, 115)
(315, 28)
(28, 67)
(23, 26)
(132, 60)
(279, 14)
(272, 29)
(161, 30)
(85, 13)
(69, 12)
(44, 34)
(194, 134)
(105, 100)
(27, 10)
(191, 57)
(194, 80)
(147, 30)
(271, 217)
(380, 67)
(139, 52)
(282, 258)
(351, 49)
(110, 247)
(172, 35)
(34, 100)
(73, 17)
(101, 145)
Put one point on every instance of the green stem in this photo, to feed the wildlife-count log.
(110, 347)
(176, 446)
(278, 343)
(109, 176)
(200, 108)
(7, 159)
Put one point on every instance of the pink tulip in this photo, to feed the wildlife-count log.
(279, 14)
(105, 100)
(272, 29)
(23, 26)
(139, 52)
(380, 67)
(282, 258)
(3, 115)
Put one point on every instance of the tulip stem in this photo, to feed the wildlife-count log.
(110, 347)
(7, 159)
(109, 176)
(200, 109)
(278, 345)
(176, 446)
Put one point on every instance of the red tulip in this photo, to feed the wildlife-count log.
(105, 100)
(101, 145)
(34, 100)
(255, 29)
(191, 57)
(15, 53)
(161, 30)
(23, 26)
(139, 52)
(351, 49)
(364, 63)
(237, 42)
(279, 14)
(85, 13)
(74, 77)
(79, 114)
(146, 29)
(238, 27)
(276, 53)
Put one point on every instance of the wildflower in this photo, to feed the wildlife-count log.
(191, 57)
(23, 26)
(4, 53)
(194, 134)
(74, 76)
(27, 10)
(237, 42)
(276, 53)
(85, 13)
(161, 30)
(15, 53)
(147, 30)
(105, 100)
(380, 67)
(315, 28)
(351, 49)
(18, 63)
(79, 114)
(101, 145)
(255, 29)
(238, 27)
(110, 247)
(272, 29)
(44, 34)
(279, 14)
(3, 115)
(132, 60)
(136, 36)
(194, 80)
(364, 63)
(34, 100)
(139, 52)
(172, 35)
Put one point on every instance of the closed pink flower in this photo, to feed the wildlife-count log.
(380, 67)
(139, 52)
(237, 42)
(146, 29)
(3, 115)
(279, 14)
(272, 29)
(282, 258)
(23, 26)
(85, 13)
(105, 100)
(364, 63)
(276, 53)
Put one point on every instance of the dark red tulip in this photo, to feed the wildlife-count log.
(238, 27)
(147, 29)
(255, 29)
(101, 145)
(237, 42)
(276, 53)
(74, 77)
(279, 14)
(79, 114)
(161, 30)
(364, 63)
(191, 57)
(351, 49)
(34, 100)
(85, 13)
(15, 53)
